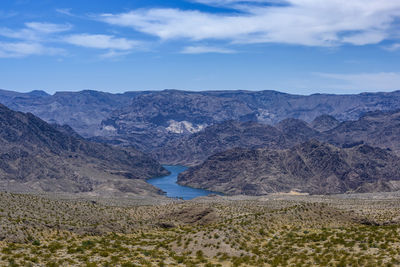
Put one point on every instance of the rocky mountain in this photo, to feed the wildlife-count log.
(83, 111)
(195, 148)
(149, 120)
(312, 167)
(297, 130)
(36, 156)
(272, 107)
(153, 119)
(378, 128)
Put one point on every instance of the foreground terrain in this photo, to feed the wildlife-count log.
(274, 230)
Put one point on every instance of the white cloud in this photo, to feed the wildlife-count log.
(101, 41)
(23, 49)
(112, 54)
(366, 37)
(206, 49)
(64, 11)
(381, 81)
(48, 28)
(301, 22)
(35, 31)
(32, 40)
(393, 47)
(230, 2)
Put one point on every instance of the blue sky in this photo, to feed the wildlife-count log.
(294, 46)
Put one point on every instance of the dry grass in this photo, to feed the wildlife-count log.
(219, 231)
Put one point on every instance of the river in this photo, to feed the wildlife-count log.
(172, 189)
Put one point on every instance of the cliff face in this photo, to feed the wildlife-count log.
(312, 167)
(36, 156)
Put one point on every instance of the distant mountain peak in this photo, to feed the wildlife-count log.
(38, 93)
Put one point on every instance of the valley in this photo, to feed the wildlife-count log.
(200, 133)
(260, 189)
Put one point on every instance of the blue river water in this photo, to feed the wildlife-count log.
(172, 189)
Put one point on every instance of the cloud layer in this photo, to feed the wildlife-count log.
(299, 22)
(317, 23)
(23, 49)
(38, 38)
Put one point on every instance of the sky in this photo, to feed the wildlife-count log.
(293, 46)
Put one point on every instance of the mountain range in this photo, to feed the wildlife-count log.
(147, 120)
(379, 128)
(237, 142)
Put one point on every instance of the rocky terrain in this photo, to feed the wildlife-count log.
(149, 120)
(324, 123)
(278, 230)
(312, 167)
(83, 110)
(378, 128)
(66, 201)
(152, 120)
(195, 148)
(36, 157)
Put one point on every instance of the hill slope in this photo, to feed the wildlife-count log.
(195, 148)
(35, 156)
(378, 128)
(311, 167)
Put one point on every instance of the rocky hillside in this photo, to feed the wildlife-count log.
(149, 120)
(378, 128)
(36, 156)
(312, 167)
(195, 148)
(324, 123)
(297, 130)
(83, 111)
(154, 119)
